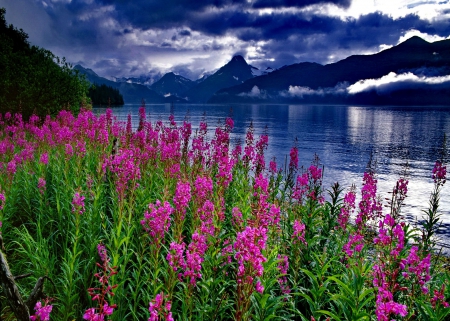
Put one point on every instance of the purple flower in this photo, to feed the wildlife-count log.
(249, 245)
(156, 220)
(157, 308)
(78, 203)
(175, 256)
(194, 257)
(182, 198)
(259, 287)
(299, 232)
(439, 173)
(293, 154)
(347, 209)
(44, 158)
(42, 312)
(101, 249)
(2, 200)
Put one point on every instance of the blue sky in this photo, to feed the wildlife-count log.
(152, 37)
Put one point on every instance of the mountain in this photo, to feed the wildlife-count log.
(233, 73)
(132, 93)
(172, 85)
(314, 83)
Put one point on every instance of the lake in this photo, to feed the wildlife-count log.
(343, 137)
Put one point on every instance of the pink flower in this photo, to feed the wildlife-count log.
(439, 173)
(293, 162)
(347, 209)
(249, 245)
(194, 257)
(157, 308)
(156, 220)
(91, 315)
(42, 312)
(259, 287)
(175, 256)
(44, 158)
(2, 200)
(299, 232)
(182, 197)
(78, 203)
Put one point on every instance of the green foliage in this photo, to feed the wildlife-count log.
(33, 79)
(104, 95)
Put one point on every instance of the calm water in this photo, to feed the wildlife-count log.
(342, 136)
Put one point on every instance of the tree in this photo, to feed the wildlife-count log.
(33, 79)
(105, 95)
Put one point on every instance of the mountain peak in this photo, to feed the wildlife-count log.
(415, 40)
(238, 58)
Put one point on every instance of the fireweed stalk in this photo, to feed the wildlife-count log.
(104, 292)
(249, 247)
(72, 259)
(432, 215)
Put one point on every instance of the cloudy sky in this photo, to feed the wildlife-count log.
(193, 37)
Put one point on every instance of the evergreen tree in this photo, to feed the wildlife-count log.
(104, 95)
(33, 79)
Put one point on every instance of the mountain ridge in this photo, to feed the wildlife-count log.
(308, 82)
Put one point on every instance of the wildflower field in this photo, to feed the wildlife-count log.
(100, 222)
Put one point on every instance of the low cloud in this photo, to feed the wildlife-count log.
(301, 92)
(394, 82)
(254, 93)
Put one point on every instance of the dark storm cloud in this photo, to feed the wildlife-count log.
(319, 38)
(119, 37)
(146, 14)
(297, 3)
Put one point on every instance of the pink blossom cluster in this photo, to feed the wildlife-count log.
(293, 158)
(125, 166)
(200, 147)
(369, 206)
(264, 213)
(248, 247)
(347, 209)
(195, 257)
(206, 216)
(44, 158)
(156, 221)
(413, 266)
(42, 311)
(203, 188)
(159, 308)
(390, 235)
(439, 173)
(355, 244)
(299, 233)
(273, 167)
(258, 161)
(78, 204)
(2, 200)
(386, 306)
(283, 267)
(175, 256)
(182, 198)
(439, 298)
